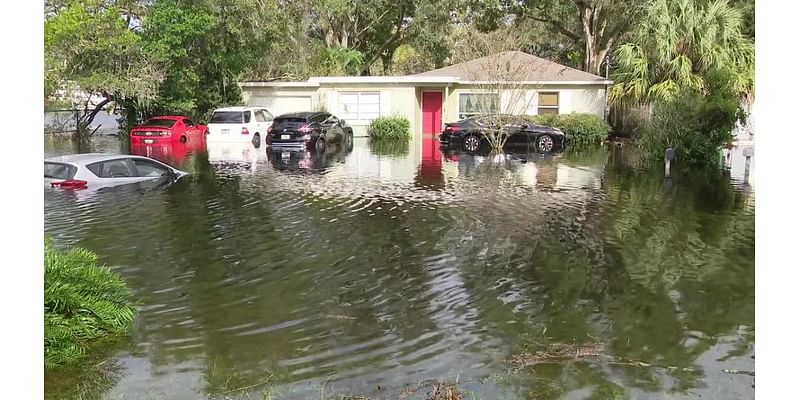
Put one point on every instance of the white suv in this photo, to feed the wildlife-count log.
(239, 125)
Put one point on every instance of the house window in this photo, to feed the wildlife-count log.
(548, 103)
(471, 104)
(359, 106)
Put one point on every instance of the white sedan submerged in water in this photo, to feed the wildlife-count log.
(96, 170)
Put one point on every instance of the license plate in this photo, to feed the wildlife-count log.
(149, 141)
(225, 131)
(285, 155)
(285, 137)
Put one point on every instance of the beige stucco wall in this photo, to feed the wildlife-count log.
(524, 100)
(271, 98)
(394, 100)
(405, 99)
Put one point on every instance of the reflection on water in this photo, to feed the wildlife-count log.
(379, 270)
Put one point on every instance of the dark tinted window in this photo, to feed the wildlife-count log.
(59, 170)
(166, 123)
(320, 118)
(292, 120)
(118, 168)
(188, 122)
(247, 117)
(149, 168)
(331, 119)
(228, 117)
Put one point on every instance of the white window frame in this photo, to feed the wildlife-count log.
(359, 114)
(463, 115)
(556, 107)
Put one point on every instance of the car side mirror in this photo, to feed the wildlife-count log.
(526, 126)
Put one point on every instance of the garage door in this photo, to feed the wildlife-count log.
(283, 104)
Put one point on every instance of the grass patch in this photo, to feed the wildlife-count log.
(85, 305)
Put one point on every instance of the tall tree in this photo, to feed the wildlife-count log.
(89, 48)
(595, 25)
(376, 28)
(207, 47)
(684, 45)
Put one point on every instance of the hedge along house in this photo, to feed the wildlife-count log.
(511, 82)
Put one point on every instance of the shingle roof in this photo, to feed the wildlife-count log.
(513, 66)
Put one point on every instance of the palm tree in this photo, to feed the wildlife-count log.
(684, 45)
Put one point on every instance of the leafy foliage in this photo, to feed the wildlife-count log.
(681, 45)
(580, 129)
(207, 47)
(88, 47)
(694, 126)
(396, 128)
(83, 303)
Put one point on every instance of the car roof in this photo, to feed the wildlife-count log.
(237, 108)
(302, 114)
(88, 158)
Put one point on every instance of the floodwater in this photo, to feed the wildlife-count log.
(380, 272)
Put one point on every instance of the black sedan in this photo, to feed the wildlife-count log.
(468, 134)
(314, 130)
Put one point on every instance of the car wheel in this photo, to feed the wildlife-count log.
(545, 143)
(256, 140)
(472, 143)
(320, 145)
(348, 141)
(183, 139)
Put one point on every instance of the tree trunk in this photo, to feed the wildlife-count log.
(87, 119)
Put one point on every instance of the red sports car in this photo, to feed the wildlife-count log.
(167, 129)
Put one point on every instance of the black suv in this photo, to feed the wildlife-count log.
(309, 129)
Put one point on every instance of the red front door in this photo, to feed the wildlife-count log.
(431, 112)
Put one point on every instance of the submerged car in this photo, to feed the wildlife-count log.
(239, 125)
(314, 130)
(95, 170)
(469, 134)
(167, 129)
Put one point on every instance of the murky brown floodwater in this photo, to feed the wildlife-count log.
(383, 270)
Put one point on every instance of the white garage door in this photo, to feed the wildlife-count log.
(283, 104)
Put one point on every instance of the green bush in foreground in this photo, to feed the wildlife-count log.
(580, 129)
(696, 126)
(83, 303)
(390, 128)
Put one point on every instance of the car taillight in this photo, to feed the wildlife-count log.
(270, 129)
(245, 131)
(165, 133)
(305, 129)
(70, 184)
(452, 128)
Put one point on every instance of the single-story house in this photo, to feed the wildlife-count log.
(515, 82)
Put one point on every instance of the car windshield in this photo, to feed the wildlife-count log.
(166, 123)
(227, 117)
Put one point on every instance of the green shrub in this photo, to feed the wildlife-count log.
(390, 128)
(83, 303)
(695, 126)
(580, 129)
